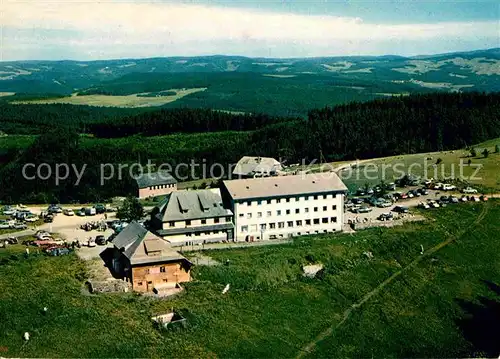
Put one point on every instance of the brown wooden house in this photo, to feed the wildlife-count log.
(147, 261)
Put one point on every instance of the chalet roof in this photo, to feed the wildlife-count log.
(248, 166)
(189, 205)
(141, 246)
(284, 185)
(155, 179)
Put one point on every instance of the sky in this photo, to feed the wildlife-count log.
(113, 29)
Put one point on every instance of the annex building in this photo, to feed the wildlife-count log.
(191, 217)
(155, 184)
(285, 206)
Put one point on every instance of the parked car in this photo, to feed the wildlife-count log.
(111, 209)
(31, 218)
(400, 209)
(357, 200)
(434, 204)
(423, 205)
(444, 199)
(469, 190)
(449, 187)
(385, 217)
(483, 198)
(383, 204)
(100, 240)
(91, 243)
(4, 225)
(100, 208)
(391, 186)
(68, 212)
(48, 218)
(363, 210)
(453, 199)
(8, 211)
(19, 225)
(90, 211)
(360, 192)
(423, 191)
(81, 212)
(58, 251)
(464, 198)
(54, 209)
(473, 199)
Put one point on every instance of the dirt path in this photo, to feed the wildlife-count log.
(347, 313)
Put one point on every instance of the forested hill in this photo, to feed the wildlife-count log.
(393, 126)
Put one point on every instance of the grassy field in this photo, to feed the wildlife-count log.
(425, 166)
(397, 304)
(134, 100)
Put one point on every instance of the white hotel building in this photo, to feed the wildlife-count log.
(285, 206)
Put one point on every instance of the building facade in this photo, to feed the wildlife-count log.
(285, 206)
(187, 218)
(155, 184)
(147, 261)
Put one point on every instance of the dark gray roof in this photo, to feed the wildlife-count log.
(189, 205)
(210, 228)
(141, 246)
(155, 179)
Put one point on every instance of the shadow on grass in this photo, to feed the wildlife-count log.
(480, 324)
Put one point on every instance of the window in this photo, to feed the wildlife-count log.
(259, 214)
(249, 203)
(306, 198)
(315, 209)
(163, 270)
(324, 196)
(146, 271)
(197, 234)
(297, 199)
(269, 213)
(249, 215)
(216, 220)
(297, 210)
(325, 208)
(203, 221)
(333, 219)
(287, 211)
(244, 228)
(290, 223)
(242, 215)
(188, 222)
(278, 200)
(278, 212)
(288, 200)
(253, 228)
(315, 197)
(316, 221)
(281, 224)
(259, 202)
(308, 222)
(172, 224)
(228, 219)
(306, 210)
(139, 283)
(272, 225)
(299, 223)
(262, 227)
(324, 220)
(334, 207)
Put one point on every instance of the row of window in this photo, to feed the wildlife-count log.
(197, 234)
(150, 282)
(289, 199)
(203, 221)
(279, 212)
(289, 224)
(162, 186)
(162, 270)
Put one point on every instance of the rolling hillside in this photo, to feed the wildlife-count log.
(275, 86)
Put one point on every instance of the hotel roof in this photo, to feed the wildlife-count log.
(281, 186)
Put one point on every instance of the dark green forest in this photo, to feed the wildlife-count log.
(82, 135)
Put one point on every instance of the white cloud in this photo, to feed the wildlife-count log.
(101, 24)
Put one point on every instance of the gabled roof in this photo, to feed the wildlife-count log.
(155, 179)
(189, 205)
(141, 246)
(248, 166)
(284, 185)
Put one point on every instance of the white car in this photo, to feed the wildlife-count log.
(91, 243)
(424, 205)
(449, 187)
(31, 218)
(434, 204)
(438, 186)
(469, 190)
(69, 212)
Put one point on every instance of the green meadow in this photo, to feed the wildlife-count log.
(398, 303)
